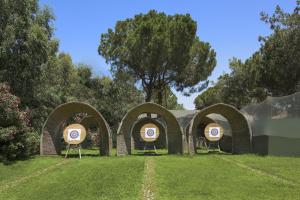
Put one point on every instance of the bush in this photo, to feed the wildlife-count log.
(17, 139)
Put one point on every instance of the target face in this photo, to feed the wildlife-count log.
(149, 132)
(213, 132)
(74, 134)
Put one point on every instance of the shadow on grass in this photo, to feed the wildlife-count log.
(148, 154)
(13, 161)
(74, 153)
(159, 152)
(212, 152)
(77, 155)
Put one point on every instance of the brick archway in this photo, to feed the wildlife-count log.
(241, 131)
(161, 142)
(51, 134)
(174, 132)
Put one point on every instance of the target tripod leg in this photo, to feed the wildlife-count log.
(210, 146)
(79, 147)
(68, 148)
(154, 148)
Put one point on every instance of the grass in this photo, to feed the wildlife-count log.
(211, 177)
(22, 168)
(88, 178)
(204, 176)
(286, 167)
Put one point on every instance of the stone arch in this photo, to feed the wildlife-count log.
(50, 143)
(241, 131)
(90, 122)
(226, 142)
(174, 131)
(161, 142)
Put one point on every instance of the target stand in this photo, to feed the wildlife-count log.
(73, 147)
(213, 133)
(149, 134)
(74, 135)
(202, 143)
(149, 146)
(213, 146)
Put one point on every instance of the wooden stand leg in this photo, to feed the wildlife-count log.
(79, 151)
(73, 147)
(216, 146)
(68, 148)
(154, 148)
(149, 144)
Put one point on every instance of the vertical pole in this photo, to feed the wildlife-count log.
(79, 147)
(68, 148)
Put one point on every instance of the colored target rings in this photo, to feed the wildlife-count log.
(150, 132)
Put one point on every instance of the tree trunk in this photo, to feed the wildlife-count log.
(148, 95)
(148, 98)
(160, 97)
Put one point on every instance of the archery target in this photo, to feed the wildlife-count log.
(149, 132)
(74, 134)
(213, 132)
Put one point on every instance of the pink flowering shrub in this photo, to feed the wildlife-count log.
(17, 139)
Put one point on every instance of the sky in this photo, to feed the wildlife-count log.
(232, 27)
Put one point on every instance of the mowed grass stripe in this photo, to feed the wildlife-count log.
(22, 168)
(148, 188)
(89, 178)
(283, 167)
(258, 171)
(23, 179)
(205, 177)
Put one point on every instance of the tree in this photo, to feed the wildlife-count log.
(169, 100)
(207, 98)
(281, 52)
(238, 88)
(17, 139)
(114, 97)
(272, 70)
(25, 44)
(159, 50)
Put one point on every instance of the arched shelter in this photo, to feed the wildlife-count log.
(241, 131)
(226, 141)
(161, 141)
(52, 130)
(94, 135)
(174, 131)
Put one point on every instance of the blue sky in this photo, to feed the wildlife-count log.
(232, 27)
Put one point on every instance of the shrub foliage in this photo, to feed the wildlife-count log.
(17, 139)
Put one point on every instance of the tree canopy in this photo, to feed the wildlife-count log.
(159, 51)
(35, 78)
(272, 70)
(26, 43)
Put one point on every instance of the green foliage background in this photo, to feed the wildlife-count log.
(273, 70)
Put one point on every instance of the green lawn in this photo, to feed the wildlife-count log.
(88, 178)
(211, 177)
(204, 176)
